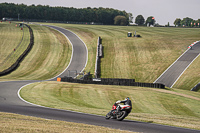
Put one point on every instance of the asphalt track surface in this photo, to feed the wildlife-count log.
(79, 53)
(12, 103)
(172, 74)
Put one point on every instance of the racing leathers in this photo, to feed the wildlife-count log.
(126, 102)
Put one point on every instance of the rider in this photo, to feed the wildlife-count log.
(127, 101)
(116, 108)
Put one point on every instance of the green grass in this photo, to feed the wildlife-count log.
(170, 107)
(143, 59)
(190, 77)
(11, 38)
(26, 124)
(49, 56)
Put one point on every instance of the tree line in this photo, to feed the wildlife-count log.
(185, 22)
(139, 20)
(40, 12)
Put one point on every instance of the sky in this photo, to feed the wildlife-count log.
(164, 11)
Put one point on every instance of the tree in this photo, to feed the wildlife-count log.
(177, 22)
(139, 20)
(198, 23)
(168, 24)
(130, 17)
(44, 13)
(150, 21)
(187, 21)
(120, 20)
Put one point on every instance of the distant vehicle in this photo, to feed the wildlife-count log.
(7, 19)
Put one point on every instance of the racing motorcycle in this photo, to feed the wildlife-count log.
(123, 111)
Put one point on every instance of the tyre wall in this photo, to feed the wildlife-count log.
(113, 81)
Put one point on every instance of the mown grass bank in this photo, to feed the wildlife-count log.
(49, 56)
(170, 107)
(26, 124)
(143, 59)
(14, 42)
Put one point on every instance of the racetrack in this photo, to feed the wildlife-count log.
(172, 74)
(79, 53)
(10, 102)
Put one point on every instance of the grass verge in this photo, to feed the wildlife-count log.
(26, 124)
(49, 56)
(170, 107)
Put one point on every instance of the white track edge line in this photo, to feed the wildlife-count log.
(82, 112)
(172, 64)
(184, 70)
(71, 55)
(18, 93)
(72, 49)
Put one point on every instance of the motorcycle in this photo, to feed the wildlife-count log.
(123, 111)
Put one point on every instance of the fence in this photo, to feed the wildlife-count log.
(22, 56)
(112, 81)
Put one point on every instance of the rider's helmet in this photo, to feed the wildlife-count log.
(127, 98)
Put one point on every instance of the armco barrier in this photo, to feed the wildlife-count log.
(111, 81)
(99, 54)
(17, 63)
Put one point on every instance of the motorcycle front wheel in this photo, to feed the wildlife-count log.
(121, 115)
(108, 115)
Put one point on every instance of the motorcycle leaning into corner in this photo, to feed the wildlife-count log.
(119, 111)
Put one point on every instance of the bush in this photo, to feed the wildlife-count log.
(120, 20)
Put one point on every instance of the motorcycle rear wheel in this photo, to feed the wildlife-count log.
(121, 115)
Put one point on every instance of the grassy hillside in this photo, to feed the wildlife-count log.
(49, 56)
(143, 59)
(12, 37)
(170, 107)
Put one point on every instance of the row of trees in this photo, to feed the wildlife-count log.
(139, 20)
(187, 22)
(39, 12)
